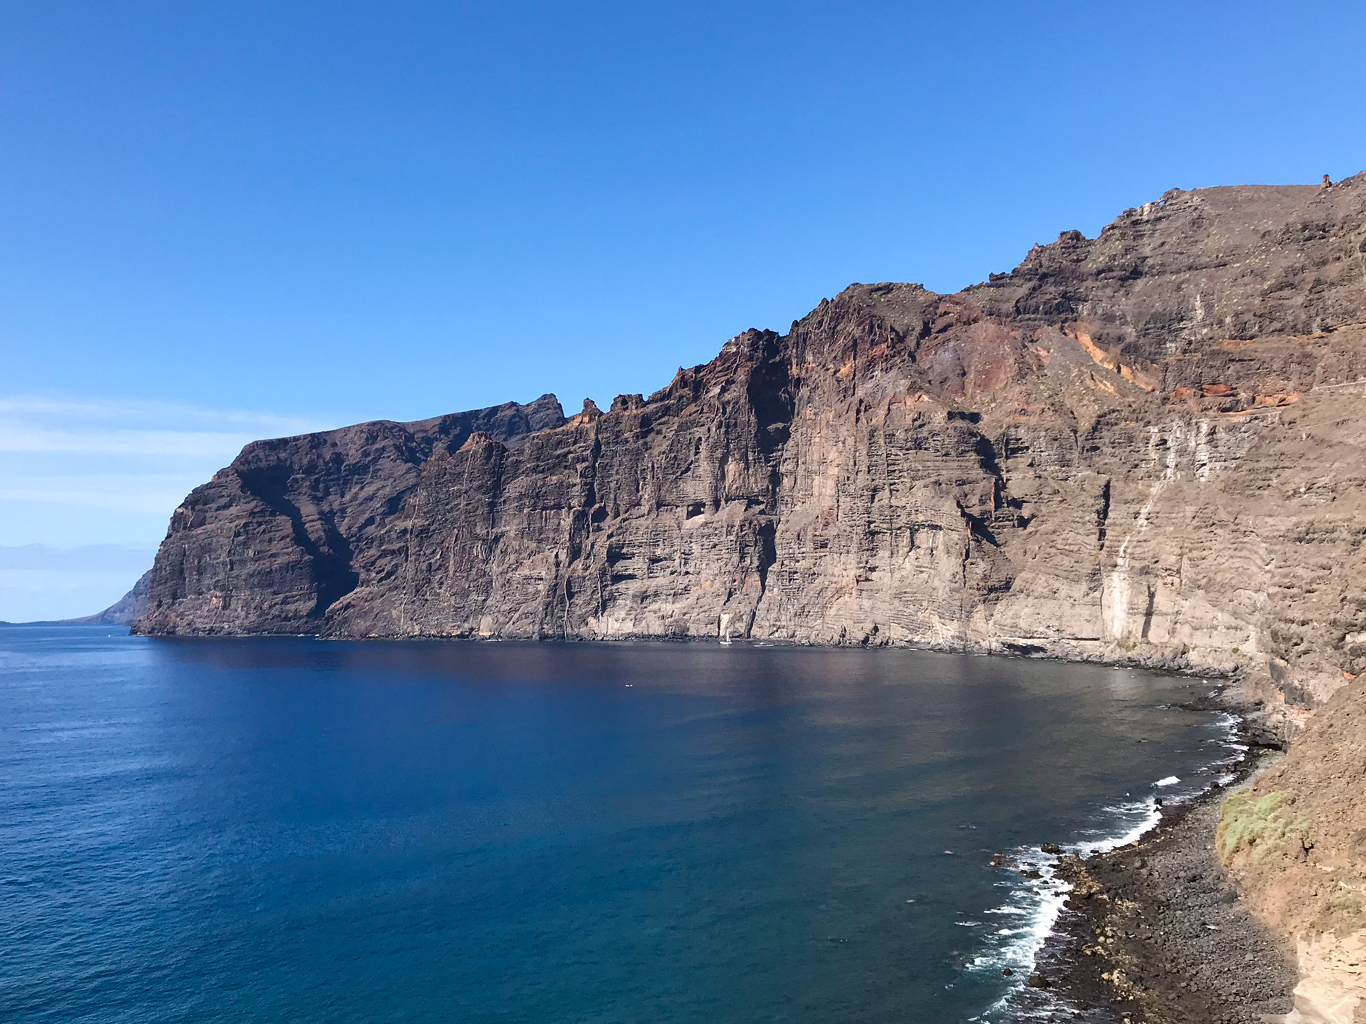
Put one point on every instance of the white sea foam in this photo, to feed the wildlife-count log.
(1228, 724)
(1039, 903)
(1135, 819)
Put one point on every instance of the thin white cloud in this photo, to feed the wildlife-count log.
(87, 487)
(259, 424)
(94, 558)
(153, 494)
(23, 437)
(39, 424)
(91, 470)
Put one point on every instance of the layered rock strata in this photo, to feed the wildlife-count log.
(1143, 447)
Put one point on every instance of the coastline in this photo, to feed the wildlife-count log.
(1156, 930)
(1153, 930)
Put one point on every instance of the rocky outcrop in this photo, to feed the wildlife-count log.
(1143, 447)
(270, 544)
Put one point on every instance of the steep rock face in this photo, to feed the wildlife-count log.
(1142, 447)
(267, 545)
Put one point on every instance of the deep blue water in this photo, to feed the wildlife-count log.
(290, 829)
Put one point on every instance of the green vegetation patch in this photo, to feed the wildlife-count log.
(1257, 824)
(1348, 903)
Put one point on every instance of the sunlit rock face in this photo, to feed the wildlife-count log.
(1144, 447)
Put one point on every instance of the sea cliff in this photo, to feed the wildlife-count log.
(1143, 447)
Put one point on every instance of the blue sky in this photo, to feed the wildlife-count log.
(222, 220)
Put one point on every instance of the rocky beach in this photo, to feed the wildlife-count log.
(1158, 931)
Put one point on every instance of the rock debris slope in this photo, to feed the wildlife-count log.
(1142, 447)
(1296, 841)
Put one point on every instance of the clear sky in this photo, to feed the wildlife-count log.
(223, 220)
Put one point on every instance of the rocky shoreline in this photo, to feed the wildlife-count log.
(1156, 932)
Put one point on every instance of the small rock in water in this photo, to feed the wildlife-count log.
(1007, 973)
(1051, 848)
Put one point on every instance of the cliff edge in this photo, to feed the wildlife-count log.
(1142, 447)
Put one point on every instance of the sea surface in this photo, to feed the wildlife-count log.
(300, 830)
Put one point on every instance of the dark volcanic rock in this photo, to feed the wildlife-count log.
(268, 545)
(1145, 447)
(1157, 933)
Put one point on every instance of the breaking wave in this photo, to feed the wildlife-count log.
(1031, 911)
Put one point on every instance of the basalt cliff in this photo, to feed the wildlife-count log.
(1145, 447)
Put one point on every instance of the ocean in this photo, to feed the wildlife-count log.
(300, 830)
